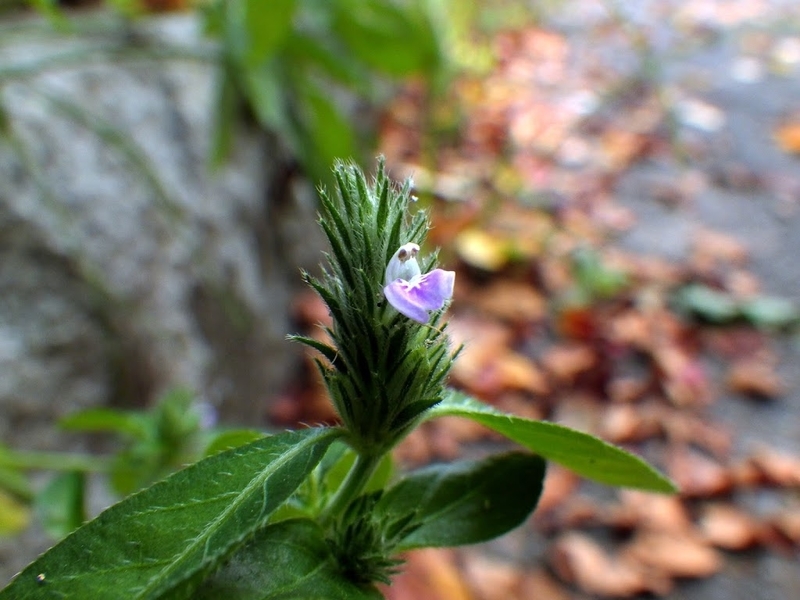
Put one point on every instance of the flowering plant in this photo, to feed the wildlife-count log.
(317, 513)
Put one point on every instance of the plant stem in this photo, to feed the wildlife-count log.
(53, 461)
(356, 479)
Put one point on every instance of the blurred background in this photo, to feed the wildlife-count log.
(617, 185)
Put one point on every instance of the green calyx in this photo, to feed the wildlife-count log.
(364, 542)
(382, 370)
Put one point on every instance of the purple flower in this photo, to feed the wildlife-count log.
(412, 293)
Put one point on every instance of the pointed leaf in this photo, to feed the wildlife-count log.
(267, 25)
(394, 38)
(286, 561)
(580, 452)
(708, 304)
(326, 133)
(60, 505)
(770, 312)
(163, 540)
(131, 424)
(467, 502)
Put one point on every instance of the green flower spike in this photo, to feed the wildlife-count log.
(383, 371)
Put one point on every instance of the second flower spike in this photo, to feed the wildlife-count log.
(409, 291)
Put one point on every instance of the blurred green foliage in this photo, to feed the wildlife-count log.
(148, 445)
(309, 71)
(301, 68)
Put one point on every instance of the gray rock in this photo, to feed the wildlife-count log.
(127, 266)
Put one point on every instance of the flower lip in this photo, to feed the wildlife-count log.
(409, 291)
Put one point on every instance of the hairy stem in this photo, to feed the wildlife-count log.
(356, 479)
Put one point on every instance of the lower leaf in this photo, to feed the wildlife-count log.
(580, 452)
(289, 560)
(161, 542)
(465, 503)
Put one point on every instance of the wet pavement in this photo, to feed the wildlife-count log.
(751, 190)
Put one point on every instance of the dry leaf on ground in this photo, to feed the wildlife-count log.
(654, 512)
(490, 579)
(579, 560)
(511, 301)
(755, 377)
(777, 468)
(727, 527)
(673, 554)
(431, 573)
(697, 475)
(566, 361)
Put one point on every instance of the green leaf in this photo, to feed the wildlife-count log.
(580, 452)
(266, 93)
(326, 134)
(322, 56)
(130, 424)
(51, 10)
(770, 312)
(267, 25)
(594, 278)
(286, 561)
(231, 438)
(162, 541)
(60, 505)
(396, 38)
(227, 103)
(14, 481)
(707, 303)
(5, 123)
(467, 502)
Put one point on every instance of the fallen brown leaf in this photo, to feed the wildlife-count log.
(696, 475)
(620, 148)
(712, 248)
(623, 423)
(540, 585)
(787, 522)
(490, 579)
(684, 378)
(510, 301)
(653, 512)
(430, 573)
(728, 527)
(685, 428)
(777, 468)
(755, 377)
(566, 361)
(674, 554)
(580, 561)
(626, 389)
(513, 371)
(787, 136)
(558, 486)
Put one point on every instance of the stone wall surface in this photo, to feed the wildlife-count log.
(127, 266)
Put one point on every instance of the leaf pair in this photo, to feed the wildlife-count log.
(166, 540)
(161, 542)
(442, 505)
